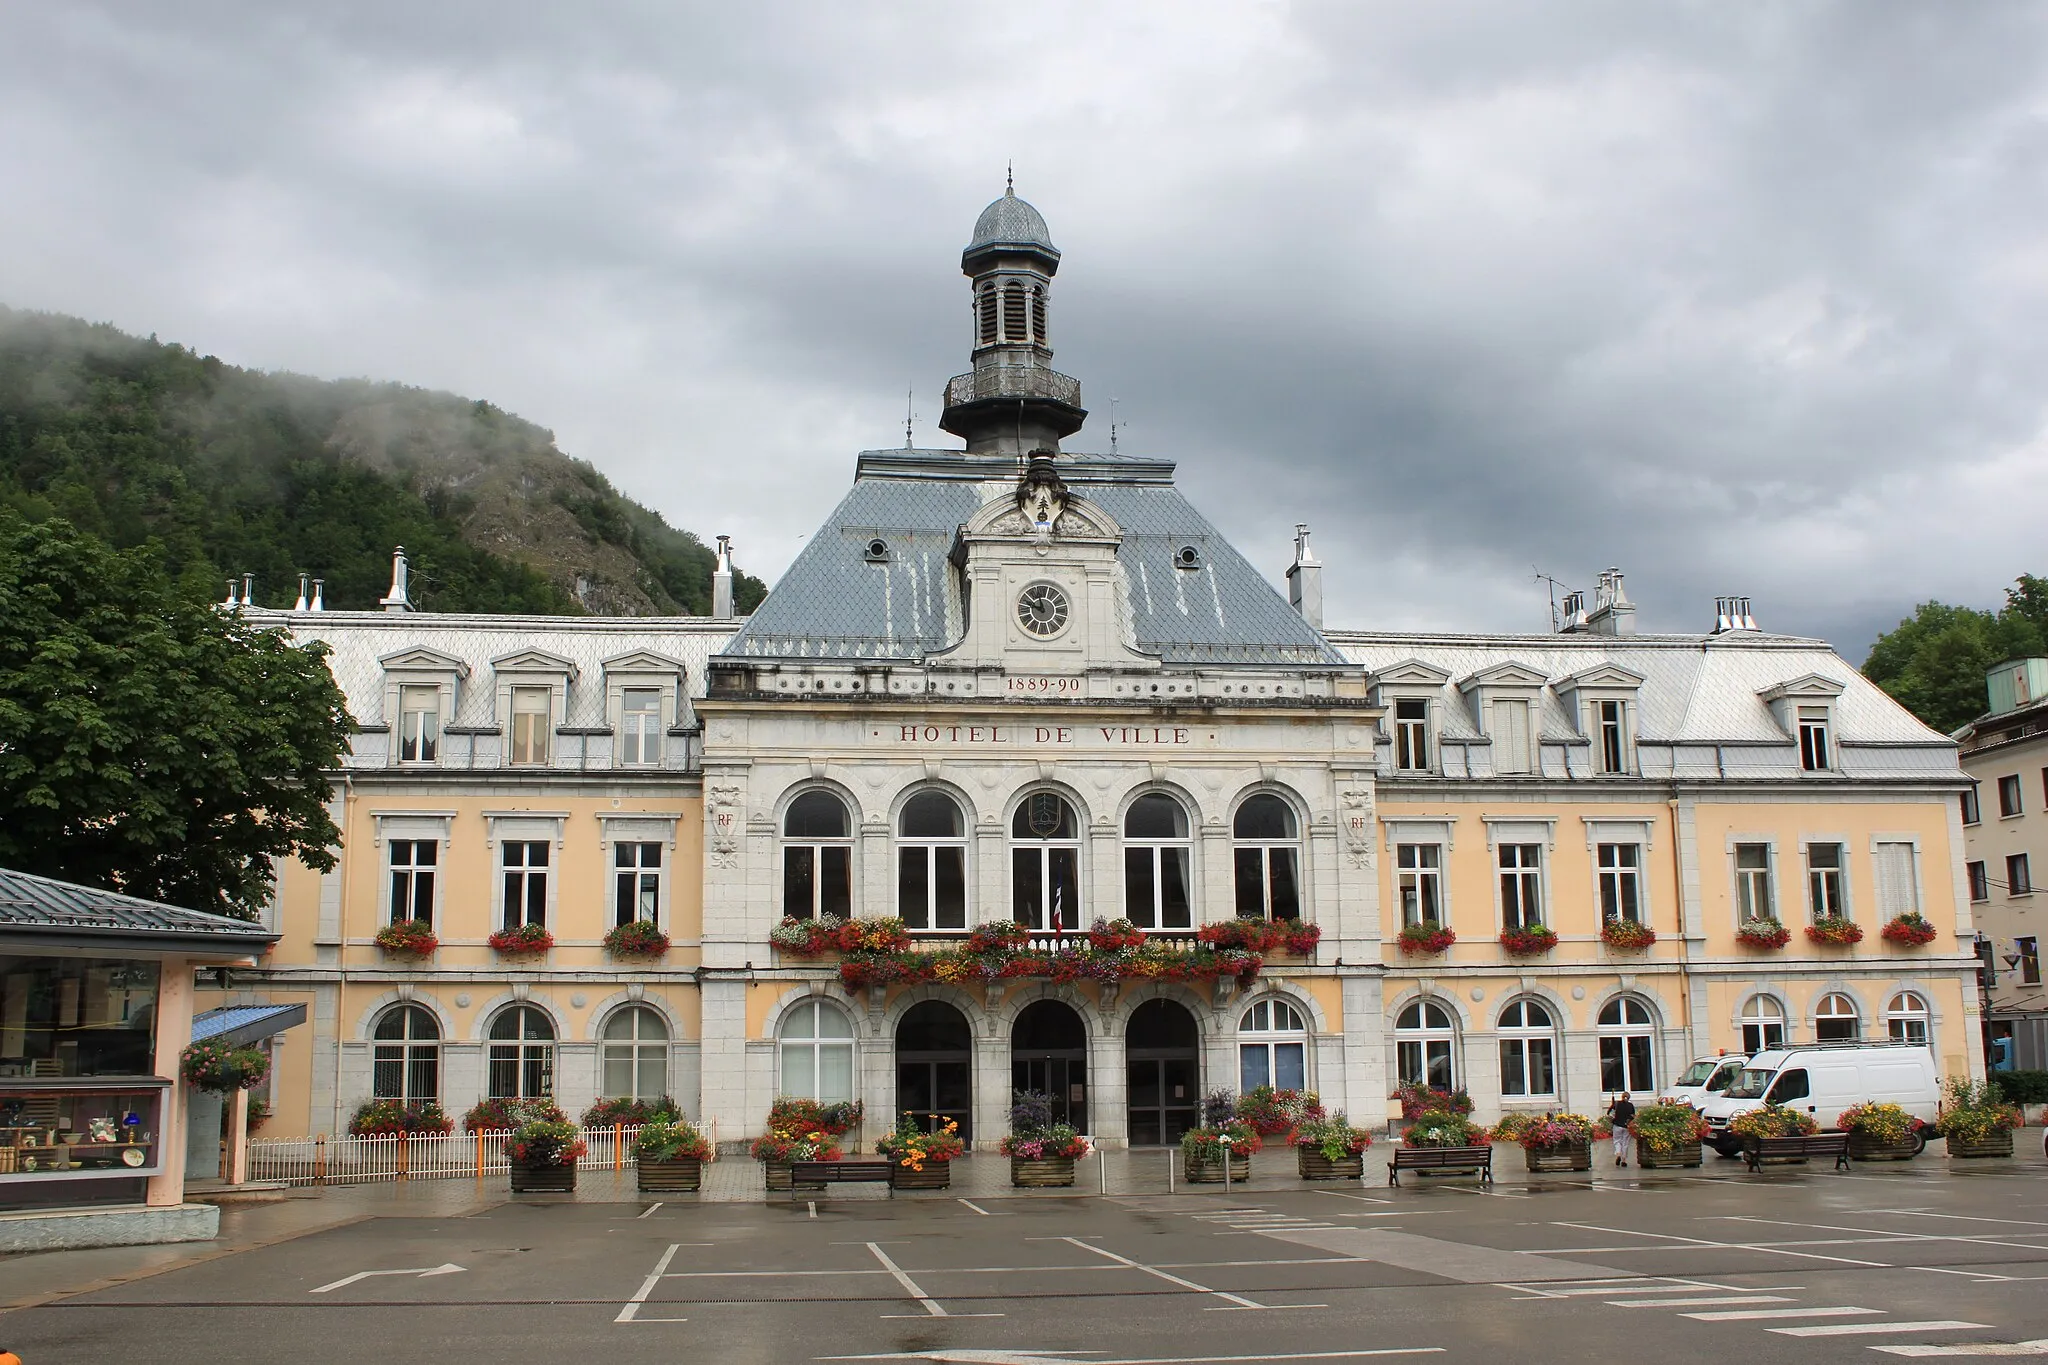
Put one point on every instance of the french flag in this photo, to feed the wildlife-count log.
(1058, 927)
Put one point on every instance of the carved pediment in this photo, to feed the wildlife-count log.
(1810, 686)
(420, 659)
(643, 661)
(1073, 518)
(1508, 674)
(534, 661)
(1601, 675)
(1411, 673)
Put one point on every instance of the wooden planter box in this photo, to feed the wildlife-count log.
(1566, 1156)
(679, 1175)
(1211, 1172)
(548, 1176)
(778, 1177)
(936, 1175)
(1050, 1173)
(1311, 1164)
(1685, 1154)
(1998, 1145)
(1862, 1148)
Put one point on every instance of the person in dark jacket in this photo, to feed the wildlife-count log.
(1621, 1113)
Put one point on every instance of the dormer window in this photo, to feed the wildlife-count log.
(1816, 752)
(1411, 734)
(1602, 702)
(640, 726)
(421, 689)
(531, 728)
(1805, 711)
(419, 724)
(1506, 699)
(643, 698)
(1510, 734)
(1611, 736)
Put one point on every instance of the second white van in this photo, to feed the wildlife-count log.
(1823, 1080)
(1705, 1079)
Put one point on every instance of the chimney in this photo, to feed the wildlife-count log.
(300, 605)
(397, 599)
(319, 591)
(1574, 614)
(231, 602)
(248, 590)
(1305, 579)
(1613, 613)
(721, 581)
(1732, 613)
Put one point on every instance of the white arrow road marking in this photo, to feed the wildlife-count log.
(428, 1272)
(1873, 1329)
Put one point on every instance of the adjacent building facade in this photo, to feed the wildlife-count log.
(1013, 682)
(2005, 835)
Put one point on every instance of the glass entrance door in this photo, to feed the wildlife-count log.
(935, 1068)
(1049, 1054)
(1162, 1068)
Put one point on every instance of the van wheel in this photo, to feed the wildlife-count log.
(1919, 1141)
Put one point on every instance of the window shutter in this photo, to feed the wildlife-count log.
(1511, 737)
(1895, 890)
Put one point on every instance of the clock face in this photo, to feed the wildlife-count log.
(1042, 609)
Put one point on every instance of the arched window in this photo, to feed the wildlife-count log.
(1905, 1018)
(1272, 1047)
(1038, 315)
(1528, 1051)
(931, 863)
(1763, 1024)
(1157, 855)
(817, 857)
(635, 1055)
(985, 316)
(1628, 1047)
(1268, 855)
(406, 1059)
(1422, 1045)
(817, 1053)
(522, 1054)
(1045, 862)
(1836, 1019)
(1014, 325)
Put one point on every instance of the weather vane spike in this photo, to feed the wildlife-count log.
(909, 396)
(1112, 424)
(1009, 177)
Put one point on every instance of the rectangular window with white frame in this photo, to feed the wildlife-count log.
(1816, 747)
(1521, 885)
(1898, 878)
(2009, 801)
(532, 724)
(1753, 896)
(640, 728)
(1621, 882)
(1611, 737)
(636, 882)
(1827, 887)
(1510, 737)
(525, 868)
(1419, 872)
(419, 724)
(414, 865)
(1411, 734)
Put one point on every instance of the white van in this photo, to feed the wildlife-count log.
(1705, 1079)
(1823, 1080)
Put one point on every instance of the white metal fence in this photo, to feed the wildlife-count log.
(357, 1160)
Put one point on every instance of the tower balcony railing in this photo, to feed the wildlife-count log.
(1012, 381)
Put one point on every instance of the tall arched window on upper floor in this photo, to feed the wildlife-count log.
(931, 864)
(1836, 1019)
(817, 857)
(1905, 1018)
(1528, 1051)
(816, 1046)
(406, 1055)
(1157, 860)
(1424, 1045)
(1045, 862)
(522, 1054)
(1267, 851)
(1628, 1047)
(635, 1056)
(1272, 1047)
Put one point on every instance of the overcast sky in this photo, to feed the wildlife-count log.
(1739, 297)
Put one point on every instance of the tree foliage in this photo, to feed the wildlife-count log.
(151, 743)
(1933, 663)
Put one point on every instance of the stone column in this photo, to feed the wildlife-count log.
(238, 1138)
(723, 1058)
(173, 1031)
(991, 1081)
(1108, 1084)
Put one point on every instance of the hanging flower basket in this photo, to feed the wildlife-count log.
(641, 938)
(1909, 931)
(224, 1070)
(1427, 937)
(1114, 935)
(1762, 933)
(1627, 934)
(1834, 931)
(408, 938)
(1530, 940)
(1301, 938)
(522, 940)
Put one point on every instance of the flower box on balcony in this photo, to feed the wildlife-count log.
(1767, 934)
(408, 938)
(522, 940)
(1627, 934)
(1834, 931)
(1427, 937)
(1529, 940)
(640, 938)
(1909, 931)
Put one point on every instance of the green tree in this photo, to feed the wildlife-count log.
(151, 743)
(1933, 663)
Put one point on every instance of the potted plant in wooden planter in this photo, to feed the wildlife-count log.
(1764, 933)
(1557, 1142)
(1881, 1132)
(1042, 1153)
(1202, 1152)
(921, 1160)
(777, 1148)
(1441, 1128)
(1417, 1100)
(399, 1118)
(1277, 1113)
(503, 1115)
(1773, 1120)
(543, 1154)
(1426, 937)
(1975, 1120)
(1329, 1148)
(670, 1155)
(1668, 1135)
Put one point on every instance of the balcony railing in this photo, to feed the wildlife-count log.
(1044, 942)
(1012, 381)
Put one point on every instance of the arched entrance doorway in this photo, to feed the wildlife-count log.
(1162, 1061)
(935, 1068)
(1049, 1053)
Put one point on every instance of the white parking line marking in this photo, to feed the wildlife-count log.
(651, 1208)
(1170, 1278)
(977, 1208)
(1743, 1315)
(1866, 1329)
(1728, 1246)
(1024, 1357)
(931, 1306)
(1974, 1348)
(628, 1312)
(1697, 1303)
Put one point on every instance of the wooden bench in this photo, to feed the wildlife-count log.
(1835, 1145)
(803, 1173)
(1479, 1159)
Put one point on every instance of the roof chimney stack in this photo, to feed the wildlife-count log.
(721, 581)
(232, 602)
(248, 590)
(1613, 613)
(319, 590)
(300, 605)
(1574, 614)
(1305, 579)
(1732, 613)
(397, 599)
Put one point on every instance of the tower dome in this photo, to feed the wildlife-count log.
(1010, 221)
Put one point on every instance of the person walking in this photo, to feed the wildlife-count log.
(1621, 1113)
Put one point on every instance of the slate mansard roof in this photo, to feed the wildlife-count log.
(836, 602)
